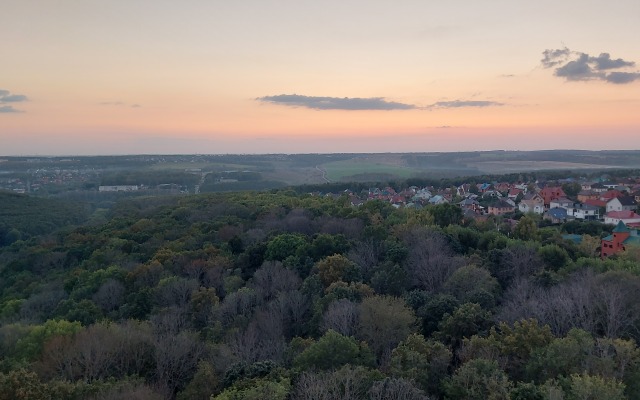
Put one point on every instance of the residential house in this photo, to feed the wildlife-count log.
(437, 199)
(598, 188)
(627, 217)
(623, 203)
(556, 215)
(551, 193)
(514, 193)
(422, 194)
(502, 187)
(585, 195)
(470, 204)
(532, 203)
(500, 207)
(596, 203)
(585, 211)
(621, 238)
(610, 195)
(561, 202)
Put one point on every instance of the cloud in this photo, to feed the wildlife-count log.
(578, 66)
(554, 57)
(8, 109)
(464, 103)
(336, 103)
(622, 77)
(604, 61)
(7, 97)
(119, 104)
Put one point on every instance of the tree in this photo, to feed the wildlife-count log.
(430, 259)
(467, 282)
(337, 268)
(395, 389)
(204, 384)
(333, 350)
(446, 214)
(526, 229)
(585, 387)
(554, 256)
(467, 320)
(284, 245)
(384, 322)
(478, 380)
(341, 316)
(424, 362)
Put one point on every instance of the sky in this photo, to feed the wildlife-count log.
(295, 76)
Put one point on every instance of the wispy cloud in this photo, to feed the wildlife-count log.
(335, 103)
(578, 66)
(7, 97)
(464, 103)
(119, 104)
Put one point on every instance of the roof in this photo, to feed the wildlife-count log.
(587, 207)
(573, 238)
(501, 204)
(621, 227)
(530, 196)
(627, 201)
(622, 214)
(558, 213)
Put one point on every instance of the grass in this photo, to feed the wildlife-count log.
(338, 170)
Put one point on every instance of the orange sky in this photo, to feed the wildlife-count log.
(125, 77)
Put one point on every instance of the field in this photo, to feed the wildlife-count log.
(505, 167)
(343, 170)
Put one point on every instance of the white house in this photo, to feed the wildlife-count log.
(624, 203)
(627, 217)
(584, 211)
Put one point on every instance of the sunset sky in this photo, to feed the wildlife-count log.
(212, 76)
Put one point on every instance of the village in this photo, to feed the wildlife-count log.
(610, 202)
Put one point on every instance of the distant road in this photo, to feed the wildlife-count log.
(324, 173)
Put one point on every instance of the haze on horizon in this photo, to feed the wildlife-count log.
(139, 77)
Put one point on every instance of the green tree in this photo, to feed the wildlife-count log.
(337, 268)
(554, 256)
(384, 322)
(478, 380)
(446, 214)
(526, 229)
(283, 246)
(332, 351)
(586, 387)
(466, 321)
(422, 361)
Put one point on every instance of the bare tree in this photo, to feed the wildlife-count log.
(273, 278)
(367, 255)
(110, 295)
(176, 359)
(395, 389)
(342, 317)
(347, 383)
(430, 258)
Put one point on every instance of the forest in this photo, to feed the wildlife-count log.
(285, 295)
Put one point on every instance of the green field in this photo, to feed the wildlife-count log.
(338, 170)
(203, 165)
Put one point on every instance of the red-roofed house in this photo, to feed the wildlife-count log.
(627, 217)
(596, 202)
(551, 193)
(513, 193)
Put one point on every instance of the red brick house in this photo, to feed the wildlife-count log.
(619, 240)
(551, 193)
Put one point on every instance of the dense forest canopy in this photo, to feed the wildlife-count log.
(284, 295)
